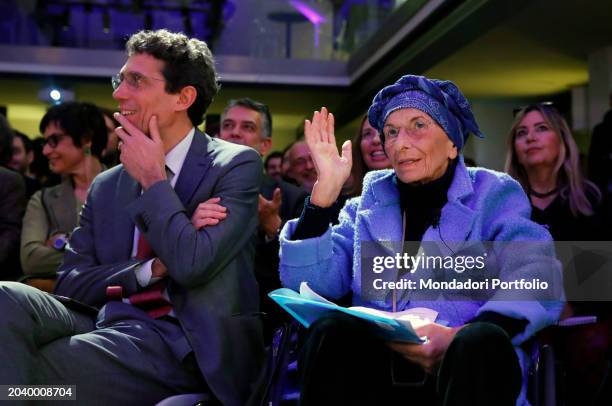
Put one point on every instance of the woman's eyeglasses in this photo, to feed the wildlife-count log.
(416, 128)
(53, 140)
(545, 104)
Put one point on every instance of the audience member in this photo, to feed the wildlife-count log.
(301, 167)
(23, 155)
(140, 233)
(368, 154)
(110, 155)
(543, 157)
(40, 165)
(12, 205)
(429, 195)
(286, 164)
(273, 165)
(600, 154)
(248, 122)
(75, 136)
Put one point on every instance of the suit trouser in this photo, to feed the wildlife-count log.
(343, 363)
(110, 360)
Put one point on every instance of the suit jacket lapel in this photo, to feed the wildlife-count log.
(127, 191)
(194, 168)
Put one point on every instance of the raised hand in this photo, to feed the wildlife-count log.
(269, 219)
(332, 169)
(208, 213)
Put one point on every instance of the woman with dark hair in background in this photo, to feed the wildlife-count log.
(75, 136)
(368, 154)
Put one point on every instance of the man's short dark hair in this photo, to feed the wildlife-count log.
(272, 155)
(261, 108)
(187, 62)
(81, 121)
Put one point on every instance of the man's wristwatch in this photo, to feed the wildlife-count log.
(60, 242)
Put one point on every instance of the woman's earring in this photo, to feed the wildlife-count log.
(87, 150)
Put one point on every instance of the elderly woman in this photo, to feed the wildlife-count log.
(471, 355)
(75, 136)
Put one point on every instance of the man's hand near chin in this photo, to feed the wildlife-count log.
(143, 157)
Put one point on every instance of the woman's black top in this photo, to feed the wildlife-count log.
(564, 226)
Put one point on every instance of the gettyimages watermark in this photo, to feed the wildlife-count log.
(488, 270)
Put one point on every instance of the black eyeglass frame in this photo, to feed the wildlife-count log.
(53, 140)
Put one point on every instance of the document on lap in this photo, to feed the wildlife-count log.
(307, 306)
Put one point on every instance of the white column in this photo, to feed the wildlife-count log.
(580, 108)
(600, 84)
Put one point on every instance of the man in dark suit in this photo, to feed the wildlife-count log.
(12, 206)
(248, 122)
(141, 236)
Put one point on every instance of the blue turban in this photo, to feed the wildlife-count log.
(440, 99)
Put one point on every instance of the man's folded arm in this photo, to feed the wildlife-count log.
(194, 256)
(81, 276)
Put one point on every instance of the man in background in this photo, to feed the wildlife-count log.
(301, 167)
(273, 165)
(12, 206)
(248, 122)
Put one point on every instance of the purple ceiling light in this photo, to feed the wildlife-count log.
(307, 11)
(312, 15)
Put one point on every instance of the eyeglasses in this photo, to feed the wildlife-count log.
(133, 79)
(417, 128)
(53, 140)
(534, 106)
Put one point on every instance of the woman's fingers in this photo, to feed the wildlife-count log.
(330, 129)
(347, 152)
(320, 129)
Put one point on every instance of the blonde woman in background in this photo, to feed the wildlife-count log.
(543, 156)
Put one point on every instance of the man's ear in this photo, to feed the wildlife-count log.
(186, 98)
(266, 144)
